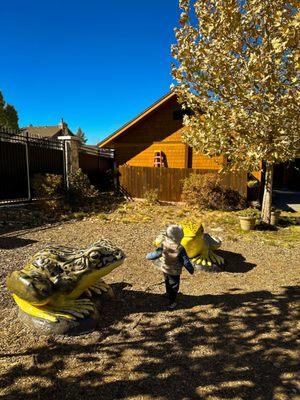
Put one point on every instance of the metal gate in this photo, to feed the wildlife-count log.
(21, 157)
(98, 165)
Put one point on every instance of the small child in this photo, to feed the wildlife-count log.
(172, 258)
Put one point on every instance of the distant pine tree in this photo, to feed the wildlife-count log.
(81, 135)
(8, 115)
(2, 111)
(11, 117)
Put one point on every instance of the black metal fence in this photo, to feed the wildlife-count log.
(98, 165)
(22, 156)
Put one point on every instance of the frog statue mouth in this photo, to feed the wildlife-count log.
(58, 270)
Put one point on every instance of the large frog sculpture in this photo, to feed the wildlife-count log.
(200, 246)
(58, 285)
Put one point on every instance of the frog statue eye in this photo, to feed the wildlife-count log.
(94, 255)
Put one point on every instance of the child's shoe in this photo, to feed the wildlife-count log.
(172, 305)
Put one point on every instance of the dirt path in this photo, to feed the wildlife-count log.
(233, 336)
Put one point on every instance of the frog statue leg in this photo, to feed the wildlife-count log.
(200, 246)
(99, 288)
(208, 257)
(70, 309)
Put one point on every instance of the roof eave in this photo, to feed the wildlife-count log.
(135, 120)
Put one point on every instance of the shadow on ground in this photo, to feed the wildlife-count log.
(287, 200)
(288, 221)
(14, 242)
(27, 217)
(228, 346)
(235, 262)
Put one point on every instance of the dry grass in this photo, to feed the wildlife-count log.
(233, 336)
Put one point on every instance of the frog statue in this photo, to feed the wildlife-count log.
(200, 246)
(57, 290)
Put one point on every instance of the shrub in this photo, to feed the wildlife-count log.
(250, 212)
(80, 189)
(151, 196)
(47, 188)
(205, 191)
(47, 185)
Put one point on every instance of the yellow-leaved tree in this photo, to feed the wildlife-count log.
(237, 61)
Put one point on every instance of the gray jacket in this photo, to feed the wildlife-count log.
(170, 257)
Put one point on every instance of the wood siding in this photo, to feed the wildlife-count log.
(175, 154)
(200, 161)
(136, 181)
(159, 130)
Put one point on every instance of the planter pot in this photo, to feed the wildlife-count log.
(247, 223)
(274, 217)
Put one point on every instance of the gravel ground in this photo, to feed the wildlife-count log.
(233, 335)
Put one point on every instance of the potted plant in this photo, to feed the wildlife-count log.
(274, 216)
(248, 218)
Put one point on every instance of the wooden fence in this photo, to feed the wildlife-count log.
(136, 181)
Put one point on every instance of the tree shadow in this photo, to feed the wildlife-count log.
(285, 221)
(286, 200)
(263, 226)
(14, 242)
(228, 346)
(32, 216)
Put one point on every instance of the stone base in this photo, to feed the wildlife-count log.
(61, 326)
(65, 326)
(213, 268)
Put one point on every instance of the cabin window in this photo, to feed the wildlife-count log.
(179, 114)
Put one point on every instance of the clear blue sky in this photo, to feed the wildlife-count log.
(95, 63)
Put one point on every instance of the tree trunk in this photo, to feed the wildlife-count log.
(267, 198)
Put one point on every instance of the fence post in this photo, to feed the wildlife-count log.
(28, 167)
(116, 180)
(71, 155)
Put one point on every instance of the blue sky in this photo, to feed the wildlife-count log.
(95, 63)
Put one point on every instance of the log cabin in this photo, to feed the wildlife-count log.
(153, 139)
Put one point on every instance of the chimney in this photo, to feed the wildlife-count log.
(64, 127)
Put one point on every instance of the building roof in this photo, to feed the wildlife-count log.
(134, 121)
(44, 131)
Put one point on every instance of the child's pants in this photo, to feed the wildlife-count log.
(172, 285)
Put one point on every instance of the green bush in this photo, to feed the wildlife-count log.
(80, 190)
(250, 212)
(47, 185)
(205, 191)
(151, 196)
(48, 188)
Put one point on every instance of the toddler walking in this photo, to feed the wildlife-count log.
(172, 258)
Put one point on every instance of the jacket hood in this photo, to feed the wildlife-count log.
(174, 233)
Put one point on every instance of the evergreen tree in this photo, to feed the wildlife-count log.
(81, 135)
(8, 115)
(11, 117)
(2, 112)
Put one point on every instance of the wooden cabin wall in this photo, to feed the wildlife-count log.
(159, 131)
